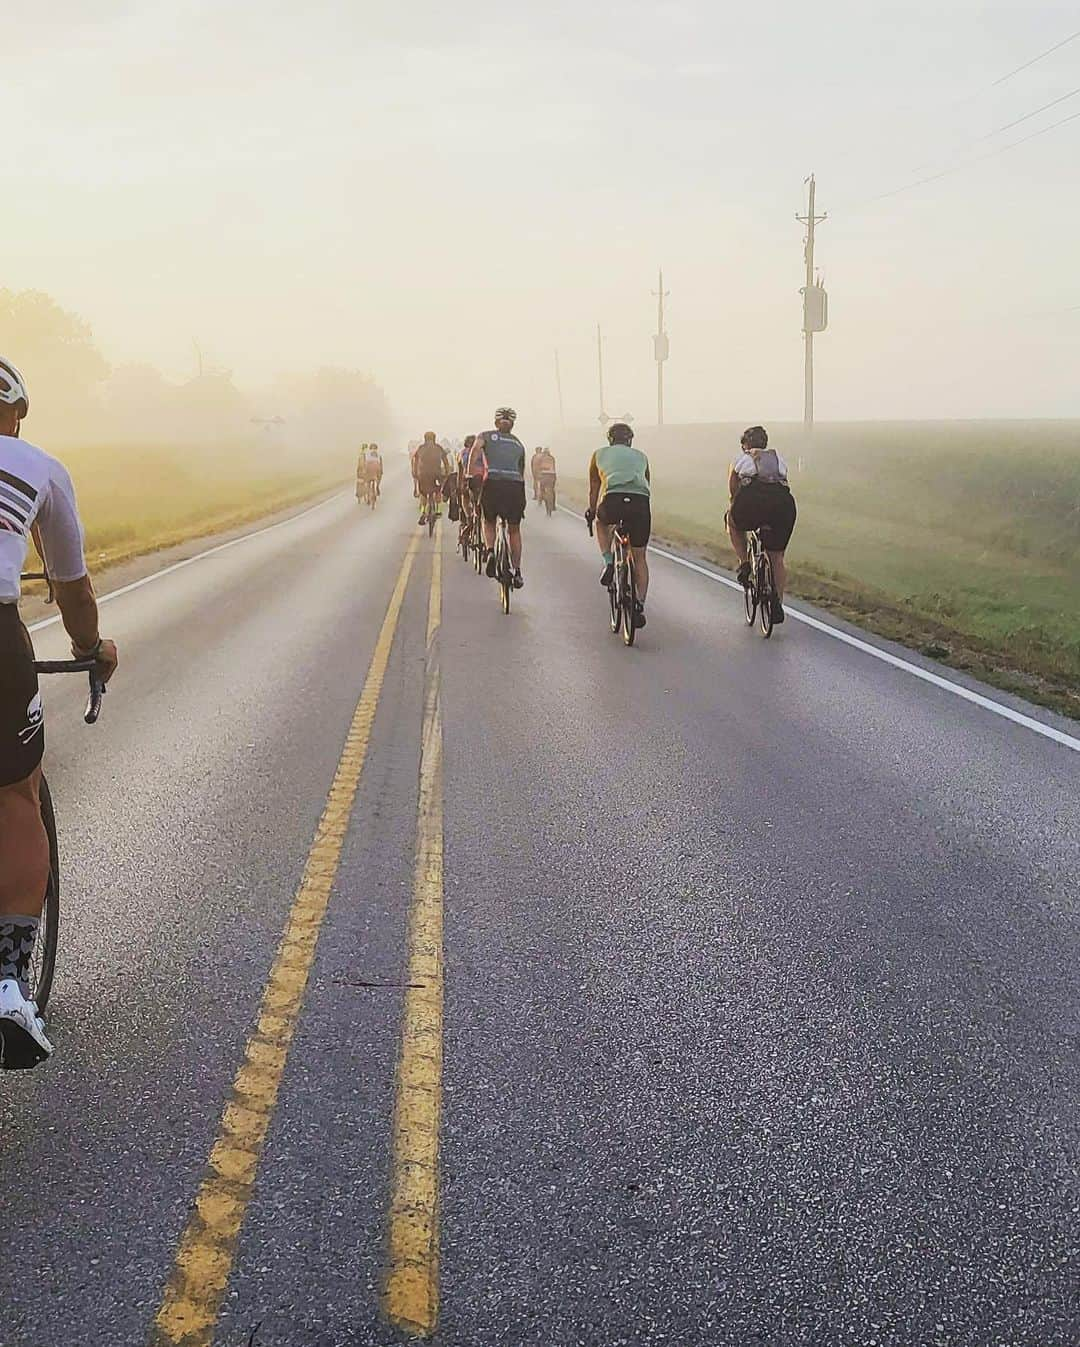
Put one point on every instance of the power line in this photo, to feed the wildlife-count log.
(968, 163)
(1035, 59)
(1028, 115)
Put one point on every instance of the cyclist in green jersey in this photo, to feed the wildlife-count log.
(619, 490)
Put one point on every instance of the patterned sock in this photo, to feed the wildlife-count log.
(16, 945)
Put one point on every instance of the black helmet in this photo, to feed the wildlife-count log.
(620, 433)
(755, 437)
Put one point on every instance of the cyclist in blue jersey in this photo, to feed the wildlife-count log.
(498, 456)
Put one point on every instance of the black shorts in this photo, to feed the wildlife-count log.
(765, 505)
(633, 510)
(505, 497)
(474, 487)
(428, 486)
(22, 725)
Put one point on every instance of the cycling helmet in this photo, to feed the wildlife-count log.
(755, 437)
(505, 414)
(620, 433)
(470, 440)
(374, 448)
(429, 435)
(12, 386)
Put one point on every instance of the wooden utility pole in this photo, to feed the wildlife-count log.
(558, 389)
(810, 220)
(660, 348)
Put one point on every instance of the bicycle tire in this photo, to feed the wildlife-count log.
(432, 519)
(629, 597)
(43, 961)
(614, 599)
(765, 603)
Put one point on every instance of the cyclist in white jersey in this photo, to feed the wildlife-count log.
(36, 496)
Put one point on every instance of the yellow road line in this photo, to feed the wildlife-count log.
(204, 1259)
(411, 1297)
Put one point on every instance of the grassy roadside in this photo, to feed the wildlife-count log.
(960, 541)
(136, 501)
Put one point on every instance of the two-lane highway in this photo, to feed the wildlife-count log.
(716, 991)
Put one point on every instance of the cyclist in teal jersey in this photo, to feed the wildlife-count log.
(499, 457)
(619, 490)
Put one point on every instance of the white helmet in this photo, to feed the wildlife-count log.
(12, 385)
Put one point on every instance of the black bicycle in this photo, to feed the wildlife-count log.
(622, 588)
(759, 592)
(43, 960)
(547, 492)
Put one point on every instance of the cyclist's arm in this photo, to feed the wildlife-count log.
(594, 484)
(733, 483)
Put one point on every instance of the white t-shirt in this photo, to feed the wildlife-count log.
(35, 488)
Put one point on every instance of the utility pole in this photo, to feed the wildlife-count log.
(604, 418)
(660, 348)
(558, 389)
(815, 306)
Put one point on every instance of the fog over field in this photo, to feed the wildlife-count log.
(439, 197)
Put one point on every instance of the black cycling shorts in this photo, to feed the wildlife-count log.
(503, 497)
(768, 505)
(22, 724)
(631, 509)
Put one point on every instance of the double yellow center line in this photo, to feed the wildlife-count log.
(193, 1294)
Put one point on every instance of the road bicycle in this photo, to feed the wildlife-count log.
(622, 589)
(39, 975)
(547, 492)
(373, 492)
(759, 592)
(431, 510)
(504, 570)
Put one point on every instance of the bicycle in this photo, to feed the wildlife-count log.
(547, 492)
(431, 510)
(39, 975)
(622, 591)
(759, 593)
(373, 492)
(504, 570)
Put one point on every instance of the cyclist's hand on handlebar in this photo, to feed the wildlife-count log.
(106, 658)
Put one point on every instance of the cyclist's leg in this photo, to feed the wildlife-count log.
(514, 530)
(25, 848)
(779, 572)
(513, 512)
(640, 558)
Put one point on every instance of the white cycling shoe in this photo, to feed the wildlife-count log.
(22, 1030)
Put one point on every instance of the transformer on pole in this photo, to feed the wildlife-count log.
(661, 348)
(815, 306)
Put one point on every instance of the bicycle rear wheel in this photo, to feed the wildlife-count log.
(43, 960)
(629, 597)
(765, 603)
(614, 598)
(432, 518)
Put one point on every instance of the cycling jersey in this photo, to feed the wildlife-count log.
(765, 466)
(371, 465)
(543, 463)
(430, 461)
(503, 453)
(621, 468)
(36, 489)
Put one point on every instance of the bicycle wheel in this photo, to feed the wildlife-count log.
(43, 961)
(765, 603)
(432, 517)
(629, 597)
(614, 597)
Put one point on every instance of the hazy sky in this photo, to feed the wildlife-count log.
(443, 194)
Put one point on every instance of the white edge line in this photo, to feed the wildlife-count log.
(199, 556)
(987, 703)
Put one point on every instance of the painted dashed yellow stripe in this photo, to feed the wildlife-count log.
(411, 1298)
(204, 1259)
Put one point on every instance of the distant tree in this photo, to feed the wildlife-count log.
(334, 408)
(56, 353)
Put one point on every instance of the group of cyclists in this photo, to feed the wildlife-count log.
(485, 478)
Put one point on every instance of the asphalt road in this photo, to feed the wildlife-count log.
(761, 992)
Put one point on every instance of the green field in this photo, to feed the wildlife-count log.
(959, 538)
(136, 500)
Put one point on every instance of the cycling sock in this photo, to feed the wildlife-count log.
(609, 558)
(16, 945)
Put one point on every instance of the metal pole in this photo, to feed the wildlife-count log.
(558, 389)
(660, 352)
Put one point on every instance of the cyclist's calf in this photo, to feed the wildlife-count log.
(25, 848)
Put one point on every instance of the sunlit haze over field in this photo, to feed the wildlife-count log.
(441, 196)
